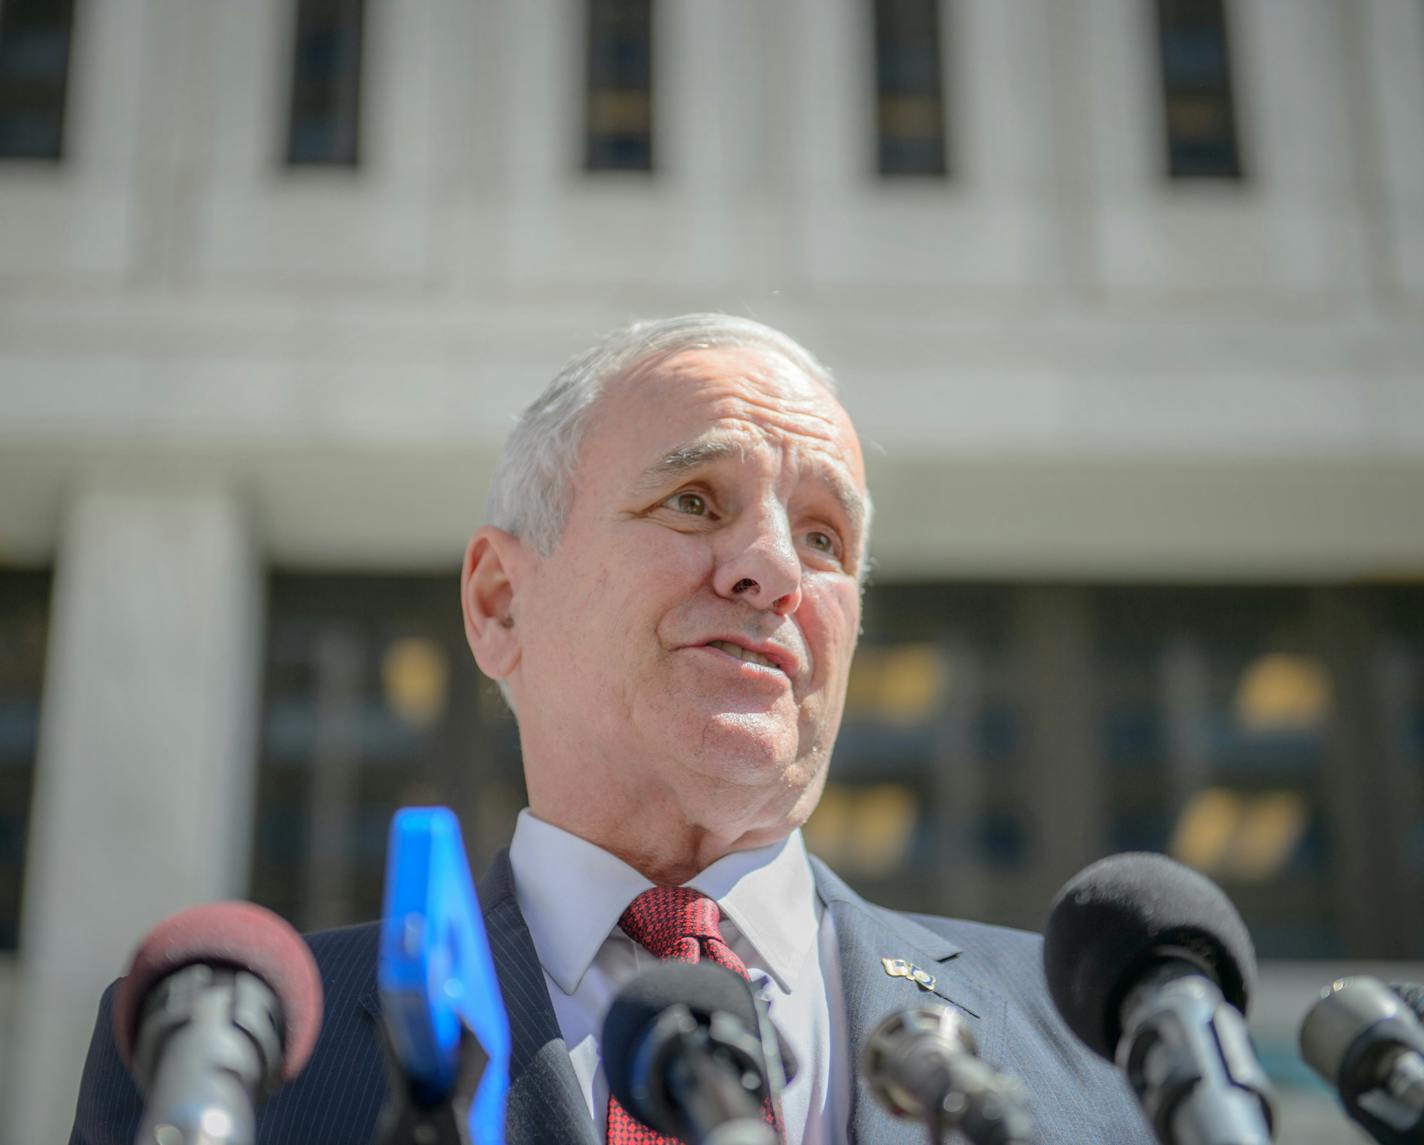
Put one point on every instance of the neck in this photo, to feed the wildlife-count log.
(667, 824)
(665, 848)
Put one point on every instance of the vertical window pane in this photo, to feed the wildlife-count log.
(1213, 728)
(922, 809)
(372, 702)
(1196, 90)
(1403, 705)
(325, 123)
(34, 73)
(620, 85)
(24, 615)
(909, 88)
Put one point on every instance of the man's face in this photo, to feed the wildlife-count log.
(691, 635)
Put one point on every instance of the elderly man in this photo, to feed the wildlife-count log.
(669, 595)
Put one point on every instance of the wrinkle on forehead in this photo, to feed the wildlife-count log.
(755, 386)
(759, 379)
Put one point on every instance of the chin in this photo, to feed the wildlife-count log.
(745, 746)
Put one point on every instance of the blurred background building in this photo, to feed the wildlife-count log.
(1125, 295)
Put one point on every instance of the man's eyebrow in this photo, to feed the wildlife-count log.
(849, 498)
(694, 454)
(687, 456)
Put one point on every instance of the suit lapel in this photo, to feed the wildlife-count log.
(865, 936)
(545, 1104)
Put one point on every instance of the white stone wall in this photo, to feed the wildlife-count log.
(1065, 364)
(1079, 367)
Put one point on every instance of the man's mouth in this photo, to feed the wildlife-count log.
(742, 653)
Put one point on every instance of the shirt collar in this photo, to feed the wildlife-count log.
(572, 893)
(770, 897)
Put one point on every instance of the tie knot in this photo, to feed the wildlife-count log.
(662, 919)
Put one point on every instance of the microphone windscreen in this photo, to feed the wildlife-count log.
(239, 936)
(703, 987)
(1120, 916)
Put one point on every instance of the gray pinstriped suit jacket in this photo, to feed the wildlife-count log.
(992, 974)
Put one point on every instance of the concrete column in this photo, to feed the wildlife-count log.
(144, 786)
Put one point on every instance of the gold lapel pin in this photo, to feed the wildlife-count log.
(899, 968)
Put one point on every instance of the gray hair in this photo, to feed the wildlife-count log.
(533, 482)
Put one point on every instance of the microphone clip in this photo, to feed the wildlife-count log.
(923, 1064)
(414, 1115)
(1186, 1053)
(1366, 1040)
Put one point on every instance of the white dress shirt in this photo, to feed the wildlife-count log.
(572, 893)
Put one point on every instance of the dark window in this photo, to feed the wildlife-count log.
(924, 801)
(325, 124)
(620, 86)
(999, 737)
(24, 616)
(1216, 705)
(34, 76)
(372, 702)
(1196, 90)
(1399, 672)
(909, 88)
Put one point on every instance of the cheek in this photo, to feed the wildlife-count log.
(832, 626)
(620, 591)
(658, 568)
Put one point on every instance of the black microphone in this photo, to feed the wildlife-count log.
(221, 1005)
(1150, 965)
(1366, 1039)
(690, 1053)
(923, 1064)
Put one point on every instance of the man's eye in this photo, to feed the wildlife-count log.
(821, 542)
(693, 504)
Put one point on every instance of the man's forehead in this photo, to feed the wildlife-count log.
(754, 374)
(702, 407)
(763, 368)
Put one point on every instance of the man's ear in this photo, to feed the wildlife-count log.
(489, 580)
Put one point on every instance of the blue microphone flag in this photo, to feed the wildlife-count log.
(436, 975)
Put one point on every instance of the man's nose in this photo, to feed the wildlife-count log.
(761, 567)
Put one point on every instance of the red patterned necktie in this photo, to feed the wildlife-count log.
(679, 924)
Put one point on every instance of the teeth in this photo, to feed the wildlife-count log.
(742, 653)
